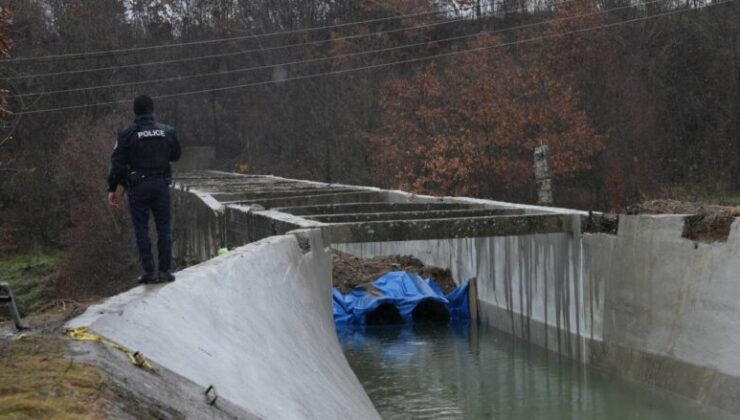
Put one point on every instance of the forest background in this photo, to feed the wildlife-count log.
(636, 99)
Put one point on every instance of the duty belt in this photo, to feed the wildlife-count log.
(148, 174)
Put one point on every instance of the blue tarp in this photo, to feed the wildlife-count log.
(402, 289)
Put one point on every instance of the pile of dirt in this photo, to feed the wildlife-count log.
(707, 223)
(350, 271)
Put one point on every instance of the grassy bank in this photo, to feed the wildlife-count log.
(38, 379)
(30, 277)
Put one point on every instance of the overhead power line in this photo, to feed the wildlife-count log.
(96, 53)
(254, 50)
(217, 40)
(382, 65)
(329, 58)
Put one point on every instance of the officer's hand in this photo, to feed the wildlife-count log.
(114, 199)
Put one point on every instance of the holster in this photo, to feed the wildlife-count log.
(133, 179)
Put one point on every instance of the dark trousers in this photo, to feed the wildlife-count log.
(152, 194)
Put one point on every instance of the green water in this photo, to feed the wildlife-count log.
(443, 372)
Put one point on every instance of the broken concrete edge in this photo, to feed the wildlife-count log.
(676, 226)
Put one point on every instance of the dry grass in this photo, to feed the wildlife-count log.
(39, 380)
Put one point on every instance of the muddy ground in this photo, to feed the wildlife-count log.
(351, 271)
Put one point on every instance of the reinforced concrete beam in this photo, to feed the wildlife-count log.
(289, 201)
(410, 215)
(370, 207)
(276, 192)
(408, 230)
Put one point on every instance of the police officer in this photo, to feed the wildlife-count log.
(141, 164)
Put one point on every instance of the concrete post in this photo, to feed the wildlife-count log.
(473, 300)
(542, 175)
(6, 298)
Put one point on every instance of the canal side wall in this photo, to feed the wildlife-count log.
(198, 226)
(256, 324)
(645, 304)
(671, 308)
(530, 286)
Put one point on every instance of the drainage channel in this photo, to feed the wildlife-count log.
(441, 371)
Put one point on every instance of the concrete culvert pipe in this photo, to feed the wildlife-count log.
(384, 314)
(430, 311)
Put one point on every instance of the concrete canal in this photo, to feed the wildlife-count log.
(628, 318)
(451, 372)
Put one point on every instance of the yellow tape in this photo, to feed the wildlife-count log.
(84, 334)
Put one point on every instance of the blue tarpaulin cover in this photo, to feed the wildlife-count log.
(402, 289)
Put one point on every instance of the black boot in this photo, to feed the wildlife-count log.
(166, 276)
(147, 278)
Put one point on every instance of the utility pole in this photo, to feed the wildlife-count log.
(542, 175)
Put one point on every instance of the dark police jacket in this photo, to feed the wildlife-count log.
(144, 147)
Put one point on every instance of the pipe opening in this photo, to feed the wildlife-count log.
(385, 314)
(430, 311)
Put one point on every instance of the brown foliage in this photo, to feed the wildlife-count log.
(99, 257)
(471, 126)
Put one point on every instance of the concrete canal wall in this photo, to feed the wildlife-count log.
(645, 304)
(642, 302)
(671, 308)
(256, 324)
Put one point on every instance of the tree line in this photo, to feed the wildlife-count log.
(636, 99)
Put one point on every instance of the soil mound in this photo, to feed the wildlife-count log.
(350, 271)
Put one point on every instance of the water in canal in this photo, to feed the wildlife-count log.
(438, 372)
